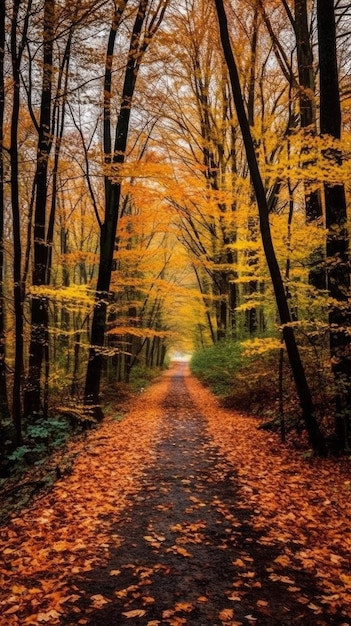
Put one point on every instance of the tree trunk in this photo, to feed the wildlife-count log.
(317, 275)
(306, 96)
(4, 408)
(16, 54)
(39, 310)
(336, 222)
(315, 436)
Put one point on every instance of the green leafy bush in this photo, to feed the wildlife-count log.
(142, 376)
(217, 365)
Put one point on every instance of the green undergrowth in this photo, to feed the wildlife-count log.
(254, 377)
(216, 366)
(45, 455)
(242, 379)
(142, 377)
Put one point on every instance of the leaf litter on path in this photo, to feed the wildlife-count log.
(183, 513)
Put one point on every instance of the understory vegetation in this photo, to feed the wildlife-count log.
(43, 452)
(254, 377)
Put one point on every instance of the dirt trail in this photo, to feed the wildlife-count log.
(184, 544)
(184, 549)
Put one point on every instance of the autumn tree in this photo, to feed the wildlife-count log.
(201, 140)
(315, 435)
(336, 222)
(148, 18)
(39, 323)
(59, 29)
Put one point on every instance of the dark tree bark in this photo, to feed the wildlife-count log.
(338, 262)
(317, 275)
(4, 408)
(315, 436)
(16, 56)
(39, 304)
(306, 93)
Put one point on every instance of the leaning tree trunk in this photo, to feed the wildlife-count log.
(315, 436)
(336, 222)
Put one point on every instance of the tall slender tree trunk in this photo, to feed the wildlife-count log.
(39, 305)
(336, 221)
(315, 436)
(4, 408)
(307, 90)
(16, 54)
(307, 96)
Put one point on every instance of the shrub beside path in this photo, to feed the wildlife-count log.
(183, 513)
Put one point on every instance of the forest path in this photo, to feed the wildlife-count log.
(182, 544)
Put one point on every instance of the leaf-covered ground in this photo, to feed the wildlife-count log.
(183, 513)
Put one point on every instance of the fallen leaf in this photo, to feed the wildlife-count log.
(99, 600)
(12, 609)
(48, 617)
(60, 546)
(183, 551)
(184, 606)
(283, 560)
(226, 614)
(148, 600)
(134, 613)
(316, 609)
(262, 603)
(18, 590)
(234, 598)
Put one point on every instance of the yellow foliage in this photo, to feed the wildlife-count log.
(256, 347)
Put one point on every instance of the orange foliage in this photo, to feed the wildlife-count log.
(296, 501)
(298, 512)
(67, 531)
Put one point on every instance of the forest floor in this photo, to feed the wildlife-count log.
(182, 513)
